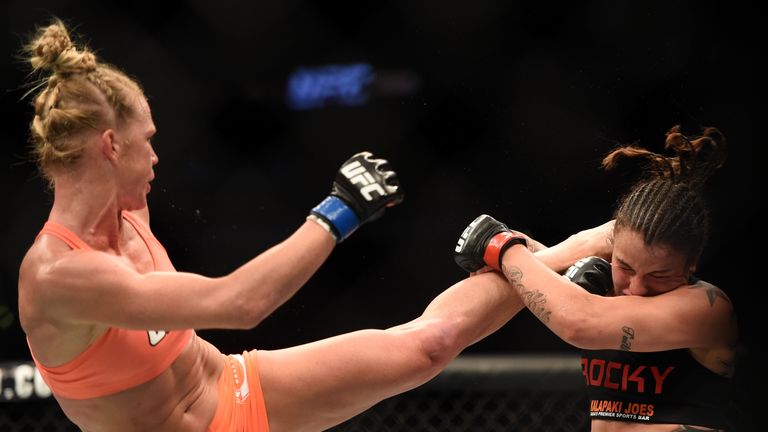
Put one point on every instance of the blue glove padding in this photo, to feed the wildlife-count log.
(363, 189)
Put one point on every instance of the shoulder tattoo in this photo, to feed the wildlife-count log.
(712, 292)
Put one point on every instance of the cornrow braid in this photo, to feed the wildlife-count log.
(112, 85)
(80, 94)
(666, 206)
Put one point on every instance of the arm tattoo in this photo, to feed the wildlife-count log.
(535, 300)
(628, 335)
(712, 292)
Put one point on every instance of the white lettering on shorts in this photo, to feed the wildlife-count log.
(242, 392)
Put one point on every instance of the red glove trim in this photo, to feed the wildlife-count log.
(498, 244)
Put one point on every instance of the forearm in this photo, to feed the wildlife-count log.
(562, 255)
(364, 187)
(549, 296)
(563, 306)
(270, 279)
(483, 303)
(590, 242)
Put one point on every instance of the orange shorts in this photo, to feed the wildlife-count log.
(241, 402)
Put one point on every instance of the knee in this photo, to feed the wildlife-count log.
(436, 343)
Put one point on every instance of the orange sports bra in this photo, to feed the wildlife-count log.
(120, 358)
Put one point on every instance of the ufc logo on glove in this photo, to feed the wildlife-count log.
(358, 175)
(465, 234)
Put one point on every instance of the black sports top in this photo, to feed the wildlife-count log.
(668, 387)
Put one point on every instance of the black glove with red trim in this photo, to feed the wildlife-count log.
(484, 242)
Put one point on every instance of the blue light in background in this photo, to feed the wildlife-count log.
(345, 85)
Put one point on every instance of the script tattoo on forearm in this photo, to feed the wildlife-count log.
(535, 300)
(628, 335)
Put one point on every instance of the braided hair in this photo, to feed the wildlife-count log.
(666, 206)
(78, 93)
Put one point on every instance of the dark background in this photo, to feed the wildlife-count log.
(497, 107)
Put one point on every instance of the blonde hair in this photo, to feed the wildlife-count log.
(79, 93)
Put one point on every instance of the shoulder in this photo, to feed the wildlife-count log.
(714, 295)
(699, 302)
(52, 270)
(41, 258)
(720, 328)
(711, 309)
(40, 274)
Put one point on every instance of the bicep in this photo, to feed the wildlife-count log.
(91, 288)
(674, 320)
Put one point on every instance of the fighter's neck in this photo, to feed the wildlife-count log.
(91, 211)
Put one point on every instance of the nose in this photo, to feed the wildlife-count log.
(636, 286)
(154, 158)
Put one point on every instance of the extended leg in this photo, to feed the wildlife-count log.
(315, 386)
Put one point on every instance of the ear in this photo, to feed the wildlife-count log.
(109, 146)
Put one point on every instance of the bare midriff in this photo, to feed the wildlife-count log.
(183, 398)
(617, 426)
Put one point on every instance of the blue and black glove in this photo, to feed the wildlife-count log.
(364, 187)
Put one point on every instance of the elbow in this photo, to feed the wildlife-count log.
(576, 335)
(241, 308)
(575, 329)
(246, 313)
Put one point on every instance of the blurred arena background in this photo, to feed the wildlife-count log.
(485, 106)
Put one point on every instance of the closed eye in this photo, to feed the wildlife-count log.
(621, 265)
(664, 276)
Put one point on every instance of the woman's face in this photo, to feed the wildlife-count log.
(137, 157)
(639, 269)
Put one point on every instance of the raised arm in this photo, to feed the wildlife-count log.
(595, 241)
(591, 321)
(68, 283)
(172, 300)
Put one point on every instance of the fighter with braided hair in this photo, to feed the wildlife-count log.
(112, 325)
(658, 344)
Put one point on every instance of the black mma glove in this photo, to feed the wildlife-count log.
(483, 243)
(363, 189)
(593, 274)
